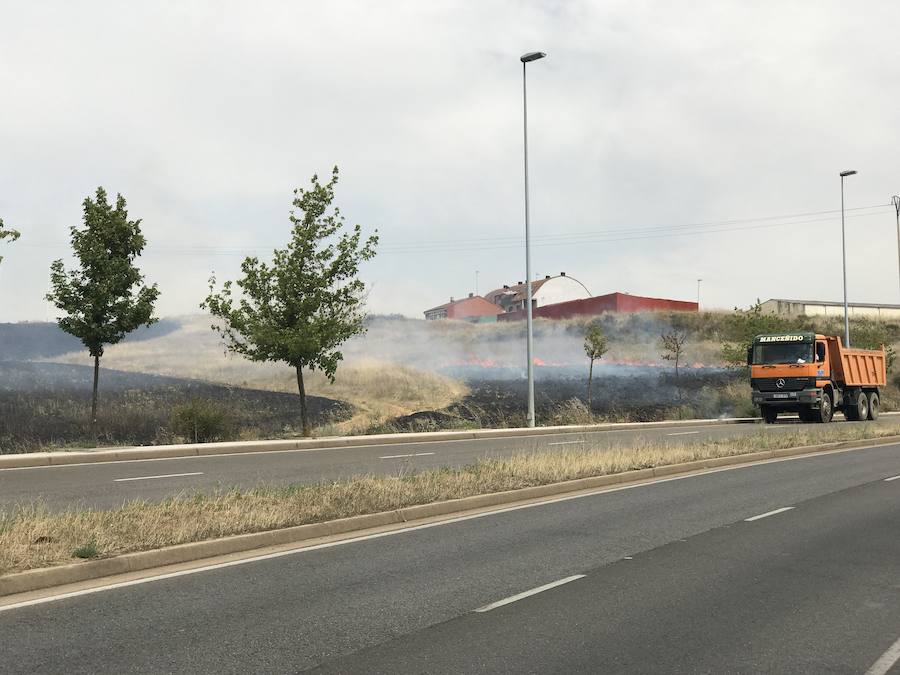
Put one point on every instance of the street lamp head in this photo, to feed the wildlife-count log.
(844, 174)
(531, 56)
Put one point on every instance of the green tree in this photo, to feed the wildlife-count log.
(7, 233)
(595, 347)
(308, 302)
(104, 298)
(672, 344)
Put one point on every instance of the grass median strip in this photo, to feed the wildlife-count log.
(32, 536)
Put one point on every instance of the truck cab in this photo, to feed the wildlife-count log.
(814, 375)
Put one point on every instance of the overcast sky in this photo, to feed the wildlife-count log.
(645, 117)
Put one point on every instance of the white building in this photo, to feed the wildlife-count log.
(546, 291)
(823, 308)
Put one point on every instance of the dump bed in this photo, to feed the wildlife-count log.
(857, 367)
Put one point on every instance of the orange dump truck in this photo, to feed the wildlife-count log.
(813, 376)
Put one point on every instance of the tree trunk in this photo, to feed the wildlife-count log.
(304, 417)
(590, 378)
(94, 397)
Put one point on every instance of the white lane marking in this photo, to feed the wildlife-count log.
(888, 480)
(767, 514)
(168, 475)
(684, 433)
(303, 549)
(415, 454)
(526, 594)
(887, 660)
(565, 442)
(727, 422)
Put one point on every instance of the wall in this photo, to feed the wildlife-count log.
(828, 309)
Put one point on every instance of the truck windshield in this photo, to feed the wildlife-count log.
(771, 354)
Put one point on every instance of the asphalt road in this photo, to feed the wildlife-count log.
(672, 578)
(107, 485)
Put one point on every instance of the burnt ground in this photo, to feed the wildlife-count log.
(49, 403)
(641, 396)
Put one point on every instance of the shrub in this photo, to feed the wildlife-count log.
(202, 421)
(88, 550)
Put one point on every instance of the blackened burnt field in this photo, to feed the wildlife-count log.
(622, 393)
(45, 405)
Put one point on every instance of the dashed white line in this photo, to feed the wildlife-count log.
(168, 475)
(525, 594)
(684, 433)
(415, 454)
(887, 660)
(565, 442)
(406, 530)
(768, 513)
(888, 480)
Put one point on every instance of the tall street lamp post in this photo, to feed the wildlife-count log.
(844, 174)
(526, 59)
(895, 200)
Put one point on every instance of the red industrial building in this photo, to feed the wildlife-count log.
(553, 297)
(612, 302)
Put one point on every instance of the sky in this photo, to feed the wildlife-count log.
(667, 141)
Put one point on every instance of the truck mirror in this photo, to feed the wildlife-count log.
(750, 356)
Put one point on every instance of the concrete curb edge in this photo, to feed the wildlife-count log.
(43, 578)
(34, 459)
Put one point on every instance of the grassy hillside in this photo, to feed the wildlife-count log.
(377, 389)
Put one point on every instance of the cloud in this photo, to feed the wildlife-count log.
(206, 116)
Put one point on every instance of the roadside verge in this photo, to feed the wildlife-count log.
(33, 459)
(44, 578)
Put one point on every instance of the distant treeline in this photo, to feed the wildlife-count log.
(39, 340)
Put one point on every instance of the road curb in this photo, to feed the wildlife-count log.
(49, 577)
(28, 460)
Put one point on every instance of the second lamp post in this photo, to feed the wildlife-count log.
(844, 174)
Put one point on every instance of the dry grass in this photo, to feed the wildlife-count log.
(32, 536)
(378, 390)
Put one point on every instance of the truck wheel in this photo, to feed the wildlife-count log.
(826, 411)
(858, 407)
(768, 414)
(874, 404)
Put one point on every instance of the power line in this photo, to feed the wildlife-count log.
(564, 239)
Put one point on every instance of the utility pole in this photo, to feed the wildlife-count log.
(476, 282)
(698, 294)
(844, 174)
(529, 342)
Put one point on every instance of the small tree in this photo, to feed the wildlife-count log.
(5, 233)
(672, 345)
(595, 347)
(103, 298)
(308, 302)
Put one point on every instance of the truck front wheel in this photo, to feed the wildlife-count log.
(826, 411)
(768, 414)
(874, 404)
